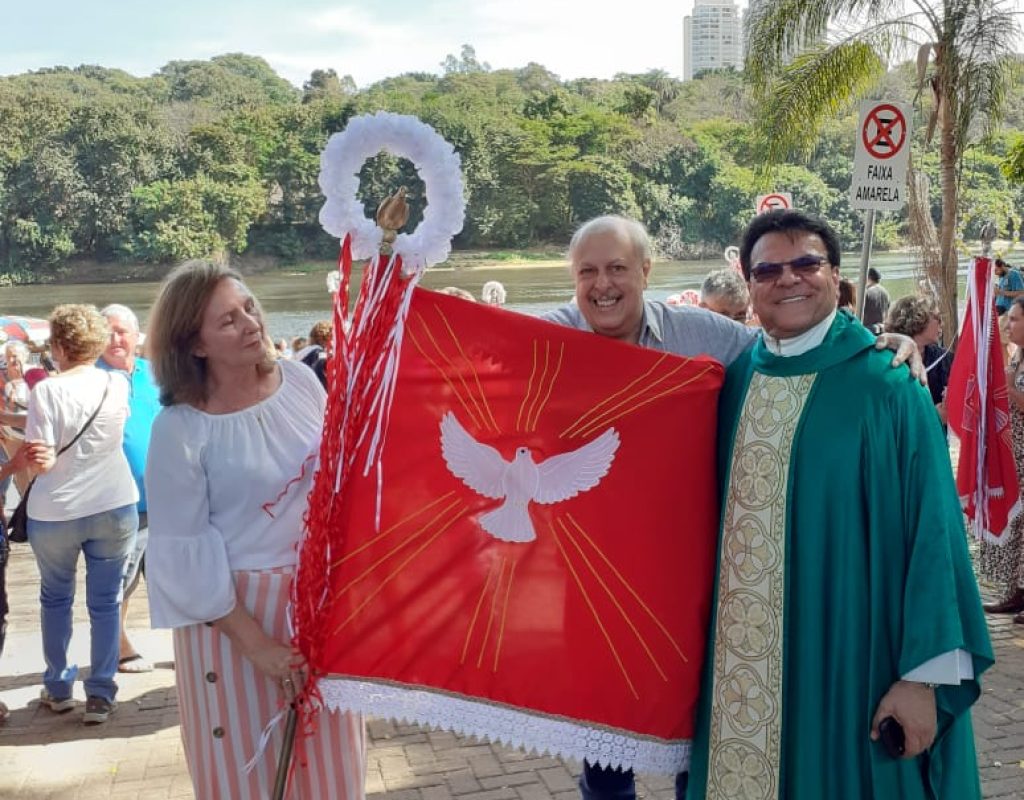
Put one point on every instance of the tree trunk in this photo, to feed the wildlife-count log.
(947, 227)
(924, 234)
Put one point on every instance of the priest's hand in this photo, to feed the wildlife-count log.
(913, 706)
(906, 353)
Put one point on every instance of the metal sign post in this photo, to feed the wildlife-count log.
(880, 162)
(865, 259)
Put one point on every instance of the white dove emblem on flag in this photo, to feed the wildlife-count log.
(522, 480)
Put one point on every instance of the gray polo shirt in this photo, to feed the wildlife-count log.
(682, 330)
(876, 305)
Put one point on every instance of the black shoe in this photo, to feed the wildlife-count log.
(1011, 604)
(97, 710)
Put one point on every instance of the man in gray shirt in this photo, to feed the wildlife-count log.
(876, 301)
(611, 258)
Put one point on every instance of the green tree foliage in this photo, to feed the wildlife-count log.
(324, 84)
(465, 63)
(192, 218)
(222, 156)
(227, 82)
(808, 59)
(1013, 163)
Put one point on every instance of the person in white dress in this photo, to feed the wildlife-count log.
(230, 464)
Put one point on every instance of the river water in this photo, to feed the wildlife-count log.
(294, 301)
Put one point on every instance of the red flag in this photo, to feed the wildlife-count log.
(978, 407)
(542, 567)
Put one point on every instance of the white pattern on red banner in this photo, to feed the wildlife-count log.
(979, 414)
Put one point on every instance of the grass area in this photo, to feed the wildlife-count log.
(88, 271)
(487, 257)
(459, 259)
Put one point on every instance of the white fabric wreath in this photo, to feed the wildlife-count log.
(437, 164)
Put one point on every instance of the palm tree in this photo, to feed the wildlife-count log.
(808, 59)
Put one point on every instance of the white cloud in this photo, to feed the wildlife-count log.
(573, 38)
(577, 38)
(354, 21)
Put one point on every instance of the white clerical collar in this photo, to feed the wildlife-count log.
(800, 344)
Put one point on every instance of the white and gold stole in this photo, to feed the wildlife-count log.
(746, 703)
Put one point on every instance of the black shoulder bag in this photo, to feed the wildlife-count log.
(18, 528)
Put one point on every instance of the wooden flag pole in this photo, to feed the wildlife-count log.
(284, 762)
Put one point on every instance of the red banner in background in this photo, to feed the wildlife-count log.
(978, 411)
(542, 567)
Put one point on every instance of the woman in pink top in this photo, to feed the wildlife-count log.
(230, 463)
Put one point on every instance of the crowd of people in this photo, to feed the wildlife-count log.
(171, 465)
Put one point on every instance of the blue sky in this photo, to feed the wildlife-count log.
(369, 40)
(573, 38)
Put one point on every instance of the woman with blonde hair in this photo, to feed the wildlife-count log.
(230, 463)
(83, 501)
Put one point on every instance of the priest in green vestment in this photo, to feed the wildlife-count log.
(844, 592)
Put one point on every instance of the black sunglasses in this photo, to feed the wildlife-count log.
(769, 271)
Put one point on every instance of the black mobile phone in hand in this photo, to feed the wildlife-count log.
(893, 739)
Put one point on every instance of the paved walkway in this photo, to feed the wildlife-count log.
(138, 753)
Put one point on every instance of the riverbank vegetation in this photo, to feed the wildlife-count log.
(221, 157)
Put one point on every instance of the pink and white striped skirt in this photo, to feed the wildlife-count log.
(225, 704)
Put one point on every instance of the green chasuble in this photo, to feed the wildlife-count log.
(842, 566)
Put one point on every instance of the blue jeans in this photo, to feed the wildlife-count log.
(6, 482)
(136, 564)
(106, 539)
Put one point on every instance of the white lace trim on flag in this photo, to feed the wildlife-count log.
(980, 525)
(534, 732)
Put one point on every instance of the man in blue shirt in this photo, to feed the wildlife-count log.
(143, 405)
(1009, 285)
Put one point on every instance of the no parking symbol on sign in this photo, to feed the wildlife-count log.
(773, 202)
(881, 157)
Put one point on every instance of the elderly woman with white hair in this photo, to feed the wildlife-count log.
(15, 406)
(16, 389)
(493, 293)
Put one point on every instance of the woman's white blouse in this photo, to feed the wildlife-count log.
(228, 492)
(92, 476)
